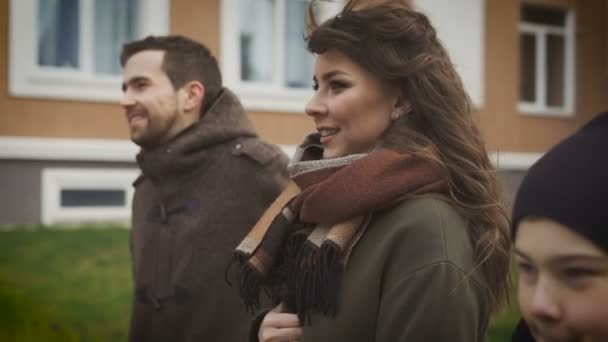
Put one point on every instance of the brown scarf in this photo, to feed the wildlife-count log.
(299, 247)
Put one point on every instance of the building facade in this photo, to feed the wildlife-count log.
(536, 71)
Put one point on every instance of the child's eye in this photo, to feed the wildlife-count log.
(579, 277)
(577, 273)
(525, 268)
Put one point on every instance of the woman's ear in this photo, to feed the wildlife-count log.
(401, 107)
(194, 94)
(402, 104)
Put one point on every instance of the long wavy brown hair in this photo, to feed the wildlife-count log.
(400, 46)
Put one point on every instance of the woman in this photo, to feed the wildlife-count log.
(391, 228)
(560, 221)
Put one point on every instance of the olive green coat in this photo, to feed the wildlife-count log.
(408, 279)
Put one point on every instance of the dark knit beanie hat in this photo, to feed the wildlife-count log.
(569, 184)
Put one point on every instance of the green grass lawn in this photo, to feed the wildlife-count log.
(75, 285)
(64, 285)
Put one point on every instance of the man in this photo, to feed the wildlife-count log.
(206, 179)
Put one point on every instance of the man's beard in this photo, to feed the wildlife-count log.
(157, 131)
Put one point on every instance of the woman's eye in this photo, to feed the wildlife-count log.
(337, 85)
(315, 87)
(140, 85)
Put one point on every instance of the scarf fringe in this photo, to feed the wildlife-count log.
(315, 275)
(249, 283)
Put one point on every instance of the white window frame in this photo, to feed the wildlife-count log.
(262, 96)
(540, 31)
(28, 79)
(54, 180)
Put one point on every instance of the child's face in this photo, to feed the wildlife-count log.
(563, 283)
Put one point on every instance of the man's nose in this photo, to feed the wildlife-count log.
(127, 99)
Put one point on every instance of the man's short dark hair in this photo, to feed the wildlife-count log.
(185, 60)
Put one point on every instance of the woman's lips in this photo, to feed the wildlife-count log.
(327, 134)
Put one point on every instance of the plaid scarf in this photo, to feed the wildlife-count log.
(301, 244)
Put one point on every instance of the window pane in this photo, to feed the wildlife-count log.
(298, 61)
(93, 198)
(324, 10)
(115, 24)
(58, 33)
(555, 70)
(527, 86)
(543, 15)
(256, 27)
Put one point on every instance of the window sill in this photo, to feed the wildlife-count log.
(526, 109)
(273, 100)
(67, 87)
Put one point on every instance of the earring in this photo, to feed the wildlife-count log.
(395, 115)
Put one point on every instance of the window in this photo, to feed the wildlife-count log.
(460, 26)
(73, 198)
(69, 49)
(547, 53)
(86, 195)
(264, 56)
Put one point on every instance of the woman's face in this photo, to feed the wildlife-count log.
(351, 107)
(563, 283)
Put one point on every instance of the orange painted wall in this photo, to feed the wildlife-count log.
(52, 118)
(502, 126)
(500, 122)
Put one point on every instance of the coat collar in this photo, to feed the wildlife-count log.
(224, 121)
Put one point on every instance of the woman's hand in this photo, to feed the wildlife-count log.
(280, 327)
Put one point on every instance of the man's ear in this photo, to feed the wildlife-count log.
(194, 94)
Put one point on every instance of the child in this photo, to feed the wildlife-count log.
(560, 229)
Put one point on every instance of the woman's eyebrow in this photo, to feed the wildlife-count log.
(332, 73)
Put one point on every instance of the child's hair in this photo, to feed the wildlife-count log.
(569, 184)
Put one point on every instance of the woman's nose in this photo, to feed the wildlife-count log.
(315, 107)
